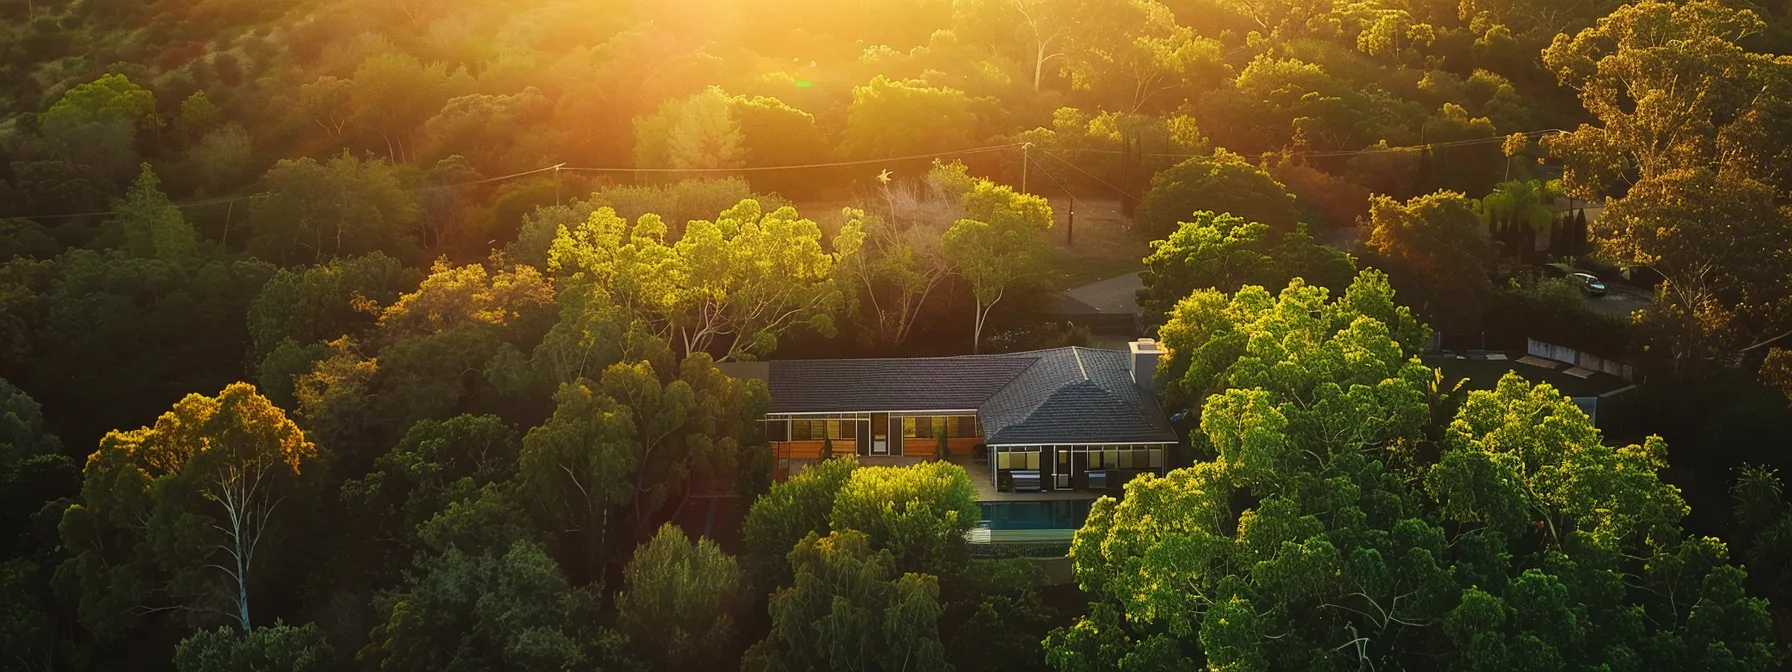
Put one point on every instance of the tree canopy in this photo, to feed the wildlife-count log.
(1328, 529)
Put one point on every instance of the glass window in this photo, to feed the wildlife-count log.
(799, 430)
(1157, 458)
(777, 430)
(924, 427)
(1095, 459)
(954, 425)
(833, 429)
(1033, 459)
(908, 428)
(1125, 458)
(1111, 458)
(849, 429)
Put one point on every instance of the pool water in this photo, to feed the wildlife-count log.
(1067, 514)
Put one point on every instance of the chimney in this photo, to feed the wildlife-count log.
(1143, 363)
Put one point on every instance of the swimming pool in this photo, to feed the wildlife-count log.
(1064, 514)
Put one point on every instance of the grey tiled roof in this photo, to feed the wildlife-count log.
(1062, 395)
(911, 384)
(1074, 395)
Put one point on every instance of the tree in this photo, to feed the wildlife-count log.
(26, 632)
(118, 334)
(1131, 53)
(697, 132)
(1512, 208)
(1673, 89)
(849, 611)
(1436, 250)
(1725, 249)
(1223, 183)
(884, 111)
(999, 243)
(198, 116)
(902, 259)
(392, 94)
(311, 304)
(678, 602)
(1316, 534)
(1766, 529)
(509, 610)
(453, 346)
(167, 511)
(485, 128)
(111, 99)
(683, 427)
(35, 480)
(578, 465)
(919, 513)
(1225, 252)
(327, 103)
(220, 160)
(731, 286)
(95, 126)
(1041, 30)
(436, 465)
(342, 207)
(277, 648)
(785, 514)
(776, 134)
(1209, 333)
(151, 226)
(33, 471)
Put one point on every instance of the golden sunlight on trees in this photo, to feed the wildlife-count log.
(176, 515)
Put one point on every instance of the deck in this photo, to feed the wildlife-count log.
(986, 487)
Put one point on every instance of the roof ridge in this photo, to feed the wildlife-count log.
(1080, 369)
(1034, 411)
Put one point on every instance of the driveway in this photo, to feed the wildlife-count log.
(1116, 295)
(1619, 300)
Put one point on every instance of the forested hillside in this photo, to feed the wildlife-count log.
(383, 334)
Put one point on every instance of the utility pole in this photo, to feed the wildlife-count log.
(1070, 224)
(557, 183)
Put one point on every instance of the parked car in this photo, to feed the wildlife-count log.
(1589, 283)
(1557, 270)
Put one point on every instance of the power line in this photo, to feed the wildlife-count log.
(183, 204)
(1337, 152)
(1091, 176)
(264, 194)
(499, 178)
(562, 166)
(834, 164)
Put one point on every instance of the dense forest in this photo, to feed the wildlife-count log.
(384, 334)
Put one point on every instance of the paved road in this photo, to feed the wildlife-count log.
(1113, 295)
(1620, 300)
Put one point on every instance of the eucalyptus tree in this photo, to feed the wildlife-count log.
(679, 602)
(731, 286)
(998, 245)
(1334, 527)
(183, 515)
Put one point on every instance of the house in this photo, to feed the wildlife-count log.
(1063, 419)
